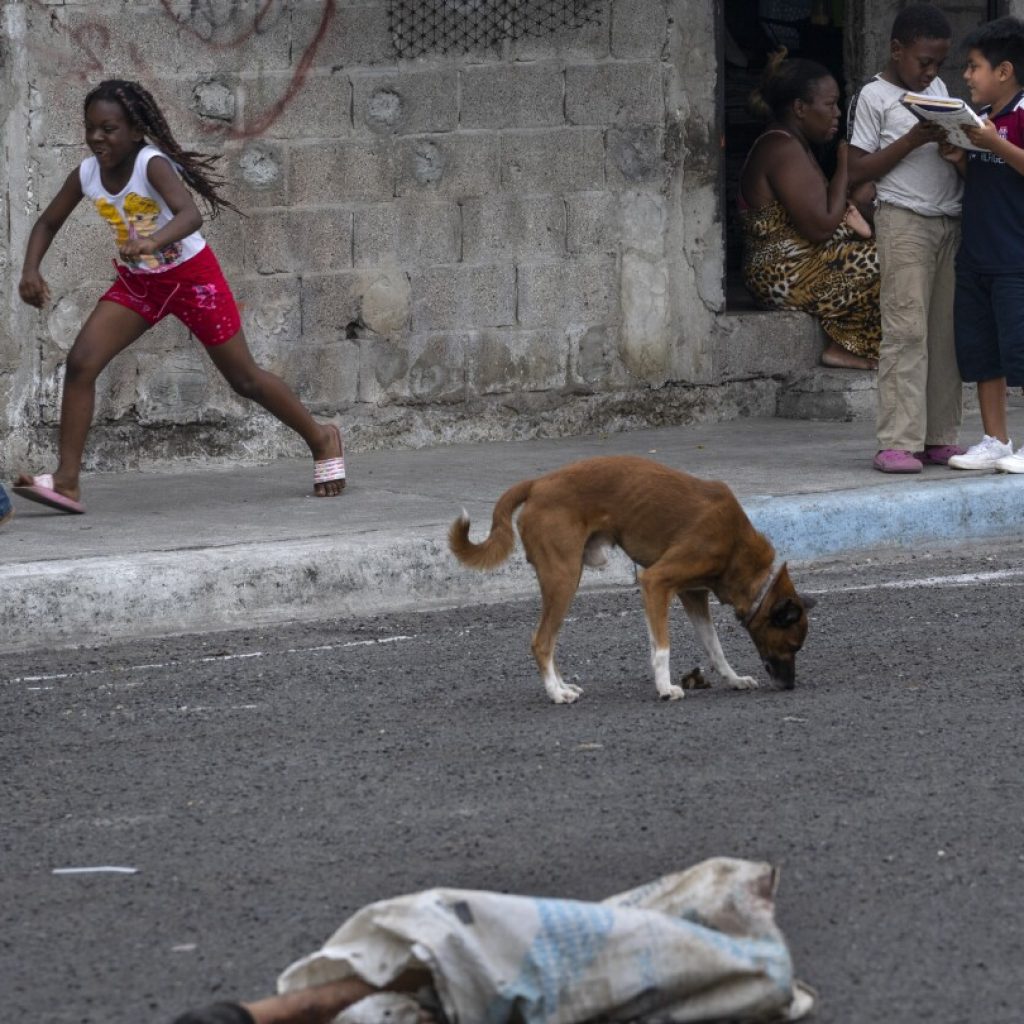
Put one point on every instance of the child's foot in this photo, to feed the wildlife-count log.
(983, 455)
(939, 454)
(50, 491)
(896, 460)
(329, 463)
(838, 358)
(1007, 464)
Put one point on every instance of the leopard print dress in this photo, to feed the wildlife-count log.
(837, 281)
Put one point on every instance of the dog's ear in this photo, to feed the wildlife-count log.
(785, 613)
(807, 601)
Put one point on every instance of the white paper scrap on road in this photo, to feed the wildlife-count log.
(100, 869)
(698, 945)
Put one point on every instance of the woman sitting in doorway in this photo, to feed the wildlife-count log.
(806, 246)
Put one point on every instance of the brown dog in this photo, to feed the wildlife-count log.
(691, 536)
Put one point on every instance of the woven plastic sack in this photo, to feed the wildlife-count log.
(698, 945)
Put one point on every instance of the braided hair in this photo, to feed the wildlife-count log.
(143, 114)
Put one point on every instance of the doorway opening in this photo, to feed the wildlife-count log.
(750, 31)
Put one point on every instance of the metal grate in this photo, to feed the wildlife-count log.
(458, 26)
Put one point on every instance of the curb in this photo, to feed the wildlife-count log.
(806, 527)
(90, 600)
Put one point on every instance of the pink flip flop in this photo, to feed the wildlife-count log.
(41, 490)
(329, 471)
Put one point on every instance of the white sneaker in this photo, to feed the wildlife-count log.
(1012, 463)
(983, 455)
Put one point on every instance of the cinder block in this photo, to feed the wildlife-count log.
(355, 36)
(580, 290)
(635, 156)
(553, 160)
(61, 112)
(320, 110)
(271, 318)
(463, 296)
(639, 28)
(173, 387)
(324, 374)
(390, 103)
(407, 231)
(512, 96)
(82, 251)
(224, 234)
(590, 41)
(629, 93)
(256, 174)
(184, 40)
(426, 368)
(512, 226)
(503, 361)
(593, 222)
(331, 304)
(594, 362)
(298, 241)
(332, 172)
(186, 105)
(455, 165)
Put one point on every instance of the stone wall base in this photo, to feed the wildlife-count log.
(128, 445)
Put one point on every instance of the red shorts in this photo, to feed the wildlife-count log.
(194, 291)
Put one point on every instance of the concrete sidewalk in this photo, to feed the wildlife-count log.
(166, 552)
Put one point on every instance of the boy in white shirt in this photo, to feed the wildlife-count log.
(917, 223)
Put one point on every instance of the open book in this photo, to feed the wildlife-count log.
(952, 114)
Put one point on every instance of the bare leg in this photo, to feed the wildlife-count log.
(239, 369)
(992, 400)
(110, 329)
(323, 1003)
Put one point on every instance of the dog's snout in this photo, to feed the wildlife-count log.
(783, 670)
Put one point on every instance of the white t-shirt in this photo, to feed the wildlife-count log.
(137, 211)
(922, 181)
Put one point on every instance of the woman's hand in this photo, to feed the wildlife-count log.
(33, 289)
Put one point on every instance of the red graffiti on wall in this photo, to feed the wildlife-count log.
(92, 38)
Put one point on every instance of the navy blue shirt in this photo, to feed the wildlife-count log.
(993, 221)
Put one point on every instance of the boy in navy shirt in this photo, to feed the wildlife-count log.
(989, 302)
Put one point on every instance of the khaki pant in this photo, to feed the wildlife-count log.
(920, 395)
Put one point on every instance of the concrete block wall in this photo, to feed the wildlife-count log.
(502, 243)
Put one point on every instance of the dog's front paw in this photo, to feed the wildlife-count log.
(566, 693)
(742, 683)
(672, 692)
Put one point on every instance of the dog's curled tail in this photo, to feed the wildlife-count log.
(499, 544)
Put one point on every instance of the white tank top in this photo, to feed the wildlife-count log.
(138, 211)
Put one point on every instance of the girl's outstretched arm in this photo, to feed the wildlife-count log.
(32, 288)
(187, 218)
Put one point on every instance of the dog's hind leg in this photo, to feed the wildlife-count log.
(699, 613)
(557, 588)
(657, 594)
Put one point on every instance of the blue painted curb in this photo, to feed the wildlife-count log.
(814, 525)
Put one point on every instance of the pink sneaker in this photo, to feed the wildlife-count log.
(894, 460)
(939, 454)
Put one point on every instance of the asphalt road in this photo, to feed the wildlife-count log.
(267, 784)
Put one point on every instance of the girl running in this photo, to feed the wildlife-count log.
(136, 180)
